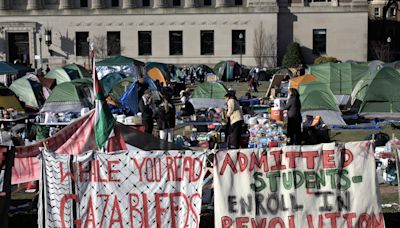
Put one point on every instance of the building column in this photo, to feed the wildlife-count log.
(190, 3)
(160, 3)
(65, 4)
(222, 3)
(34, 4)
(128, 4)
(97, 4)
(4, 4)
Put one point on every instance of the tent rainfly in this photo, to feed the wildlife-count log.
(119, 64)
(28, 91)
(63, 75)
(209, 94)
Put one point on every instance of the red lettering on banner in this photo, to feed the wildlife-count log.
(107, 196)
(226, 222)
(310, 156)
(186, 168)
(320, 221)
(242, 160)
(329, 161)
(292, 156)
(63, 201)
(349, 217)
(259, 163)
(228, 161)
(98, 171)
(151, 178)
(116, 208)
(364, 219)
(348, 158)
(170, 168)
(83, 171)
(261, 224)
(291, 221)
(310, 221)
(139, 167)
(174, 207)
(333, 217)
(111, 171)
(200, 164)
(24, 167)
(177, 165)
(90, 218)
(192, 209)
(241, 222)
(67, 174)
(275, 221)
(159, 210)
(278, 160)
(376, 223)
(134, 208)
(157, 164)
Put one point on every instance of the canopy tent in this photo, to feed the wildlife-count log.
(317, 99)
(109, 81)
(63, 75)
(81, 70)
(340, 77)
(120, 64)
(296, 82)
(130, 99)
(227, 70)
(120, 88)
(9, 100)
(209, 94)
(156, 74)
(29, 91)
(383, 94)
(70, 96)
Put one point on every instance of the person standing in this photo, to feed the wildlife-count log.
(235, 115)
(47, 68)
(147, 113)
(165, 117)
(293, 107)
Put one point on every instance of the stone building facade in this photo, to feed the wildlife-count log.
(181, 31)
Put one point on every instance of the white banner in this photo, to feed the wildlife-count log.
(123, 189)
(309, 186)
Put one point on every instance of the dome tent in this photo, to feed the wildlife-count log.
(227, 70)
(28, 91)
(63, 75)
(81, 70)
(209, 94)
(120, 64)
(8, 99)
(109, 81)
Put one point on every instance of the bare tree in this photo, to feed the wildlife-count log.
(381, 51)
(264, 47)
(100, 42)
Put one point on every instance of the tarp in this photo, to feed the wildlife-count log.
(120, 64)
(28, 91)
(209, 94)
(340, 77)
(70, 96)
(9, 100)
(81, 70)
(130, 189)
(298, 186)
(227, 70)
(383, 93)
(63, 75)
(10, 68)
(318, 99)
(109, 81)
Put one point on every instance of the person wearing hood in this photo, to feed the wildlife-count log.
(145, 104)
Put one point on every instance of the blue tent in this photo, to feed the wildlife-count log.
(130, 99)
(11, 68)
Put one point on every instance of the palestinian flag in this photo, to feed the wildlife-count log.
(104, 121)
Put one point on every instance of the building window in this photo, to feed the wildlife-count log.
(175, 43)
(114, 3)
(377, 12)
(319, 41)
(113, 43)
(82, 45)
(146, 3)
(238, 42)
(238, 2)
(144, 42)
(207, 2)
(207, 42)
(84, 3)
(176, 2)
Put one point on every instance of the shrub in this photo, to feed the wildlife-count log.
(325, 59)
(293, 56)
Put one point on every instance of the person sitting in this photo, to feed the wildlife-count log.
(187, 108)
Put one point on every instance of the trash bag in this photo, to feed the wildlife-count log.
(381, 139)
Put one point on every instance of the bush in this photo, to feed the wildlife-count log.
(325, 59)
(293, 56)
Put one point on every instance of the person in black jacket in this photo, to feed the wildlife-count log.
(147, 113)
(187, 107)
(165, 117)
(293, 107)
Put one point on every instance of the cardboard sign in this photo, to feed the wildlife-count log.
(123, 189)
(309, 186)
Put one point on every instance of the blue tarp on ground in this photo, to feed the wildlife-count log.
(130, 100)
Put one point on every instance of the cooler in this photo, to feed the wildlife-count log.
(277, 114)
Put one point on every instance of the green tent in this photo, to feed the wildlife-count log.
(318, 99)
(383, 94)
(108, 82)
(119, 61)
(81, 70)
(209, 94)
(119, 89)
(63, 75)
(341, 77)
(70, 96)
(227, 70)
(28, 91)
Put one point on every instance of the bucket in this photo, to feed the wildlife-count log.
(276, 114)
